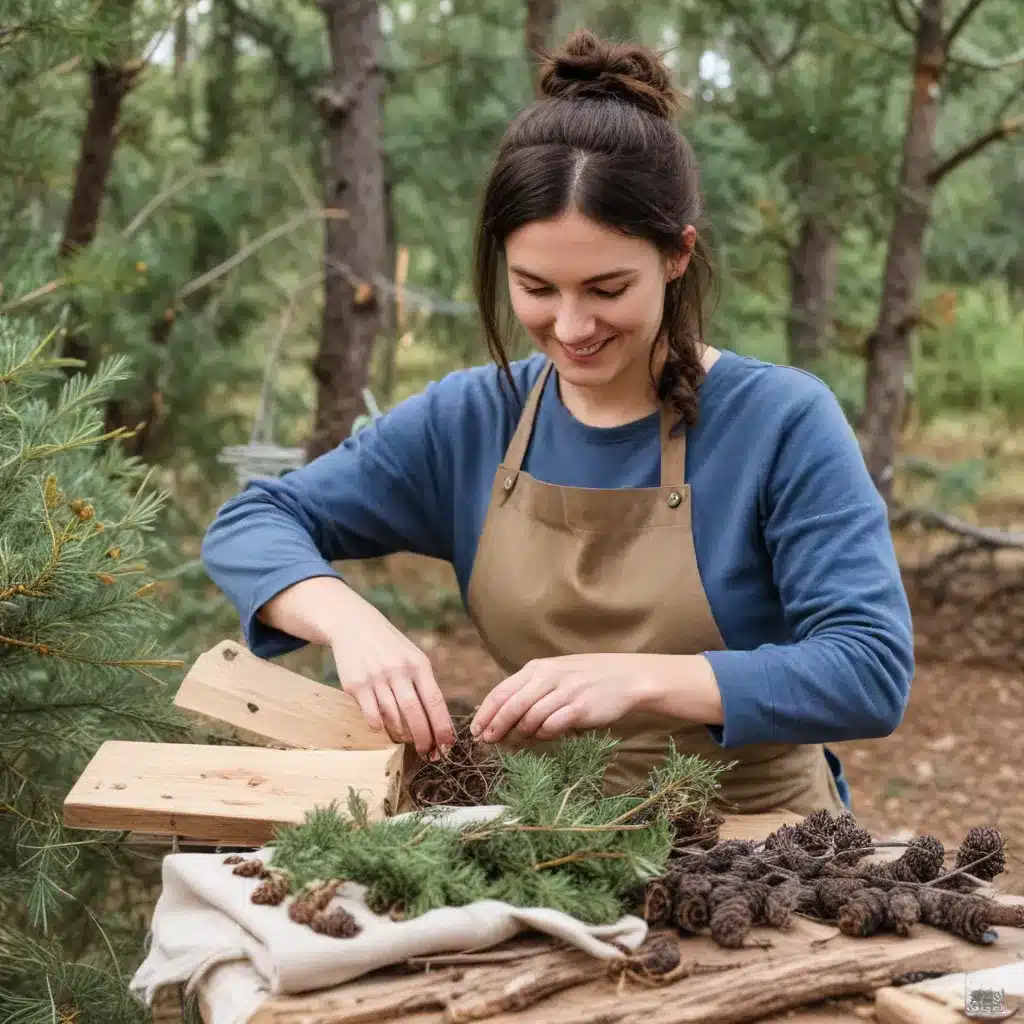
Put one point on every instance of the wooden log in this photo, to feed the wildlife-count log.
(255, 701)
(753, 992)
(232, 795)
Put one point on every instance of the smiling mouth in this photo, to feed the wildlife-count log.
(581, 351)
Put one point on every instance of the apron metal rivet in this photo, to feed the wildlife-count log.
(508, 483)
(673, 499)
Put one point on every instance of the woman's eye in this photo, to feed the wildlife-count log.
(537, 291)
(547, 290)
(610, 295)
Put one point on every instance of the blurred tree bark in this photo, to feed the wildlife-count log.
(109, 83)
(354, 246)
(889, 345)
(540, 19)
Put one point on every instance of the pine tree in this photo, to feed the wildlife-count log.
(78, 618)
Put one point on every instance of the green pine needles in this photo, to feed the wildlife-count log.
(79, 622)
(558, 842)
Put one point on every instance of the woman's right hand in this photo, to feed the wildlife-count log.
(393, 682)
(382, 669)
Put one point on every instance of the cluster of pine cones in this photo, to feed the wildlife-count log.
(310, 907)
(812, 869)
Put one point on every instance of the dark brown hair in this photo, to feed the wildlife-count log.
(602, 141)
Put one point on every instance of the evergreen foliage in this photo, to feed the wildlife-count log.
(78, 664)
(557, 843)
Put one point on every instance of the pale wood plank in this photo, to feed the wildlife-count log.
(233, 795)
(259, 702)
(901, 1006)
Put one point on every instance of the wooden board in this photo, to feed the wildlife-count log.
(233, 795)
(943, 1000)
(258, 702)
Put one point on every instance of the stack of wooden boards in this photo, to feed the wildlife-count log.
(303, 744)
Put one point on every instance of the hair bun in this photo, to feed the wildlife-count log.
(587, 66)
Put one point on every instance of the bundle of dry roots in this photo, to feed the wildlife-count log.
(461, 779)
(812, 869)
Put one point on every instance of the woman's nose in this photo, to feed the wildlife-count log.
(573, 325)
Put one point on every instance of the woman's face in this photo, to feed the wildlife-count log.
(590, 298)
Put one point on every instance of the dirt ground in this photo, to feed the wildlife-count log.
(956, 760)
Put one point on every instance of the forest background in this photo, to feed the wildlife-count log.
(233, 230)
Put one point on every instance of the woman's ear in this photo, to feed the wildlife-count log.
(678, 264)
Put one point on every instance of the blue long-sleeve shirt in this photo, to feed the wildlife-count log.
(792, 538)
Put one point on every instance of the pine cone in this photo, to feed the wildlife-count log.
(979, 841)
(904, 911)
(659, 958)
(864, 913)
(807, 902)
(921, 861)
(749, 867)
(302, 911)
(848, 835)
(336, 922)
(820, 821)
(780, 903)
(966, 916)
(251, 869)
(273, 890)
(657, 903)
(731, 921)
(785, 837)
(690, 911)
(833, 893)
(720, 857)
(233, 858)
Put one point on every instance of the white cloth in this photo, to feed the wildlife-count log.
(205, 918)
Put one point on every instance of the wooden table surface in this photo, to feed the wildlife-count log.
(807, 945)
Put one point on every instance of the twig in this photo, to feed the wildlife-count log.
(167, 194)
(960, 21)
(573, 858)
(999, 131)
(985, 535)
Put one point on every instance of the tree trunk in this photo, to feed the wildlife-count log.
(889, 343)
(812, 292)
(354, 245)
(108, 86)
(540, 18)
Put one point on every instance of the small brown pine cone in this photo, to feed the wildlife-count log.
(833, 893)
(848, 835)
(958, 883)
(820, 821)
(807, 902)
(658, 958)
(785, 837)
(780, 903)
(251, 869)
(273, 890)
(336, 922)
(863, 913)
(690, 910)
(657, 903)
(979, 841)
(731, 921)
(921, 861)
(719, 857)
(323, 894)
(970, 919)
(302, 911)
(750, 867)
(234, 858)
(903, 911)
(794, 859)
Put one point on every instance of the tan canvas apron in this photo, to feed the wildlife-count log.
(567, 570)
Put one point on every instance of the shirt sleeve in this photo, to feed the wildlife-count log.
(379, 492)
(847, 672)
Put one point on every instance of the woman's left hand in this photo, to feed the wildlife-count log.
(550, 697)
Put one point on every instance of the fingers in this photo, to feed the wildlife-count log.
(365, 697)
(390, 713)
(517, 705)
(497, 697)
(434, 705)
(540, 712)
(559, 722)
(412, 710)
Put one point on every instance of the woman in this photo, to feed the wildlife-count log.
(667, 539)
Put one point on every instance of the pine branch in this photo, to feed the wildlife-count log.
(960, 21)
(896, 6)
(996, 133)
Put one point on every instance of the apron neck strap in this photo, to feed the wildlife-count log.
(673, 449)
(521, 438)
